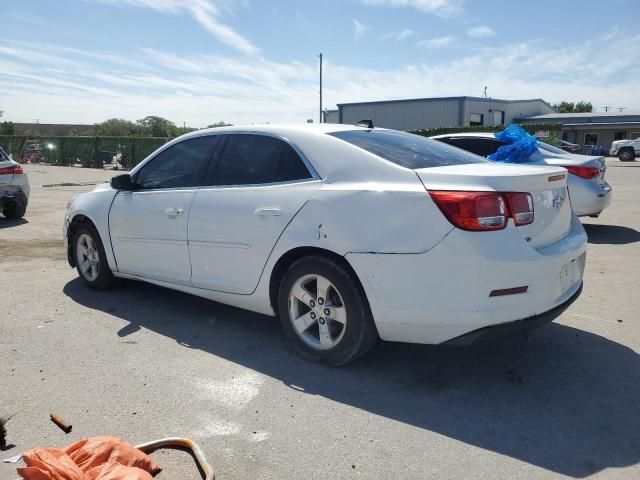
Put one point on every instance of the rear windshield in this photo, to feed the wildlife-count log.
(406, 149)
(551, 148)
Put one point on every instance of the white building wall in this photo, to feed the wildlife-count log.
(405, 115)
(440, 112)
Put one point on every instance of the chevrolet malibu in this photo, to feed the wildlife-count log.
(348, 234)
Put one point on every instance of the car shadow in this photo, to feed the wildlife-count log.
(611, 234)
(11, 222)
(564, 400)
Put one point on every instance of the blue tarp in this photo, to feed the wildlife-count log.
(520, 145)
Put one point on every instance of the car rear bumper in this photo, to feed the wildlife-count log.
(514, 328)
(12, 196)
(589, 198)
(444, 293)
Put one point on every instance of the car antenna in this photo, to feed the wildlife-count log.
(368, 123)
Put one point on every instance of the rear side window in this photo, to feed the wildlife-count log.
(257, 159)
(406, 149)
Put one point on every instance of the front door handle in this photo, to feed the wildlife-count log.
(173, 212)
(271, 212)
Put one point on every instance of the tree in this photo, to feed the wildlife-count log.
(7, 128)
(219, 124)
(570, 107)
(115, 127)
(583, 107)
(156, 127)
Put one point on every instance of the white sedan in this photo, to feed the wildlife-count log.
(590, 193)
(14, 187)
(348, 234)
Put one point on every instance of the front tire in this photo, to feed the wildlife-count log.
(324, 312)
(90, 259)
(626, 155)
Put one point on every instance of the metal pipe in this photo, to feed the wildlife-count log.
(178, 443)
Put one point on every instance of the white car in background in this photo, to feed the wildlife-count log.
(590, 193)
(14, 187)
(348, 234)
(625, 150)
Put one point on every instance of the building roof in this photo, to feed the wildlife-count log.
(570, 116)
(482, 99)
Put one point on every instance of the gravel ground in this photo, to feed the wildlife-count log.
(143, 362)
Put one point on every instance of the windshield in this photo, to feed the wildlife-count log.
(406, 149)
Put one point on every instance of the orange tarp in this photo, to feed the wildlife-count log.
(97, 458)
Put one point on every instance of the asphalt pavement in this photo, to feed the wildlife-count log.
(143, 362)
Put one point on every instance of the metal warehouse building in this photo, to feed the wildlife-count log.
(440, 112)
(593, 128)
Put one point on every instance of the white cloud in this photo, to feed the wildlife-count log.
(404, 34)
(481, 31)
(398, 36)
(76, 86)
(360, 29)
(206, 12)
(444, 8)
(437, 42)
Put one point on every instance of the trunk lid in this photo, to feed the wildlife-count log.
(547, 186)
(549, 155)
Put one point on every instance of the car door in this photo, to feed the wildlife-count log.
(148, 226)
(254, 187)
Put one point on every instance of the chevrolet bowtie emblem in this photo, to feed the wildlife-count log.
(558, 200)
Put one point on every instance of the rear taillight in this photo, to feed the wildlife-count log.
(13, 170)
(584, 172)
(478, 211)
(521, 207)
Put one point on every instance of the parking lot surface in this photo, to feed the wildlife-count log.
(143, 362)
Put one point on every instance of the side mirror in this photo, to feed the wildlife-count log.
(123, 182)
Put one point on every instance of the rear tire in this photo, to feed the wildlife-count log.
(627, 155)
(333, 323)
(90, 258)
(15, 209)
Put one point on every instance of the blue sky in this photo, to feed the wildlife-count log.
(244, 61)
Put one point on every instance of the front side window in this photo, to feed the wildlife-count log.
(178, 166)
(257, 159)
(406, 149)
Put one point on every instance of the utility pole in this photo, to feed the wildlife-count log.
(606, 108)
(320, 121)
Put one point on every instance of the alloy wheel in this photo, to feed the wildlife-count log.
(317, 312)
(87, 257)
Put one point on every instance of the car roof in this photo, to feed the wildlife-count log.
(283, 129)
(325, 153)
(466, 134)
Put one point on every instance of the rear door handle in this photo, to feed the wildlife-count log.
(173, 212)
(272, 212)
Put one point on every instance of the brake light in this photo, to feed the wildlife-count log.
(13, 170)
(584, 172)
(521, 207)
(478, 211)
(472, 210)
